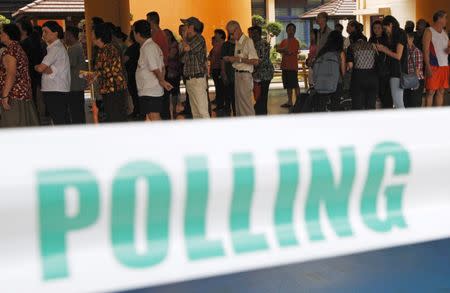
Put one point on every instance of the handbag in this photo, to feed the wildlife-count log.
(409, 81)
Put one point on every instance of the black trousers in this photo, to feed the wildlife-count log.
(57, 104)
(261, 103)
(364, 89)
(76, 109)
(165, 113)
(413, 98)
(230, 98)
(384, 93)
(115, 105)
(218, 84)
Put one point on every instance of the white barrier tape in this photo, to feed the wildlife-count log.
(128, 206)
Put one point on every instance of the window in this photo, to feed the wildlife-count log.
(290, 11)
(259, 8)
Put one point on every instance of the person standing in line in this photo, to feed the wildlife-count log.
(312, 55)
(378, 36)
(131, 62)
(215, 58)
(264, 71)
(15, 83)
(77, 84)
(228, 77)
(244, 59)
(361, 57)
(150, 73)
(195, 63)
(436, 48)
(324, 30)
(160, 38)
(413, 97)
(31, 44)
(187, 112)
(55, 70)
(289, 49)
(110, 74)
(421, 26)
(174, 72)
(396, 52)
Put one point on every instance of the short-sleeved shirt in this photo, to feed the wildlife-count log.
(394, 64)
(362, 54)
(245, 49)
(322, 37)
(160, 38)
(289, 60)
(109, 67)
(264, 70)
(57, 59)
(228, 50)
(195, 59)
(151, 59)
(21, 89)
(77, 63)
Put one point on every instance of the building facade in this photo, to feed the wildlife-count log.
(288, 11)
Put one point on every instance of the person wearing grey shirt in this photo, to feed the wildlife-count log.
(324, 31)
(76, 109)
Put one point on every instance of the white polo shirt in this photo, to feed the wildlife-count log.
(57, 59)
(245, 48)
(151, 58)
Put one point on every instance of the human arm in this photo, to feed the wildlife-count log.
(426, 52)
(10, 64)
(343, 66)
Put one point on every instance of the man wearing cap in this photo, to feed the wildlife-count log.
(194, 57)
(244, 59)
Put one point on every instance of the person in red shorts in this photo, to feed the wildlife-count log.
(436, 48)
(289, 49)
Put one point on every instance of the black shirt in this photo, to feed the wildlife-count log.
(133, 52)
(394, 64)
(35, 52)
(228, 50)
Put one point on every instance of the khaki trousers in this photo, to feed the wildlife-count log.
(198, 97)
(244, 94)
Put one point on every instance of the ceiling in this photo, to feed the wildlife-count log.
(7, 7)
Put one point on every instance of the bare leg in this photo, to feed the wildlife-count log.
(153, 117)
(429, 98)
(439, 98)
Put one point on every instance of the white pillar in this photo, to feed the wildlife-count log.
(270, 10)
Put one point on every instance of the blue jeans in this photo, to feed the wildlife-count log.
(397, 93)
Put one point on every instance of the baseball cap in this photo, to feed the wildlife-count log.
(198, 25)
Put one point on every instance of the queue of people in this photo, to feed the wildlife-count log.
(142, 80)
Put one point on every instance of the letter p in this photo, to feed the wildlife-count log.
(54, 223)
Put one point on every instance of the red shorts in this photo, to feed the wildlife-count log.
(439, 79)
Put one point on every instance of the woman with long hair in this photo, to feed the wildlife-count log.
(378, 36)
(396, 52)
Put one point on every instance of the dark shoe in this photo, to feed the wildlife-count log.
(287, 105)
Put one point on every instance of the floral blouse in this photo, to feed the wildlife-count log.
(109, 67)
(21, 89)
(264, 70)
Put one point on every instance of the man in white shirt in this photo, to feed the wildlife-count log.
(55, 69)
(150, 73)
(244, 60)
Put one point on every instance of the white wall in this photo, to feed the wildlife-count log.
(403, 10)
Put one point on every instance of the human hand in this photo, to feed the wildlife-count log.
(428, 71)
(167, 86)
(5, 104)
